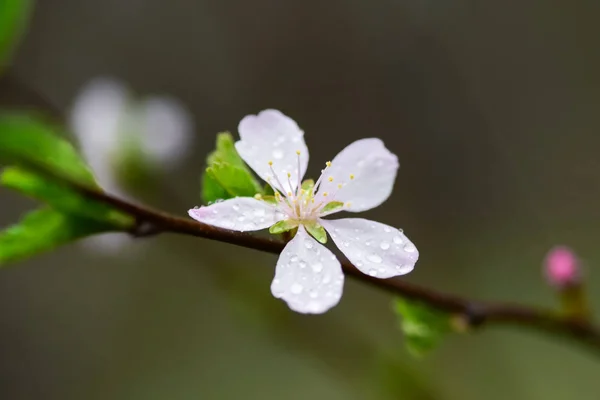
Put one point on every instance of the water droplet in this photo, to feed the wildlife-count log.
(368, 243)
(278, 154)
(318, 267)
(333, 257)
(359, 264)
(346, 244)
(196, 207)
(409, 248)
(308, 244)
(313, 293)
(397, 240)
(384, 245)
(241, 218)
(401, 230)
(327, 278)
(296, 288)
(215, 212)
(356, 230)
(259, 212)
(294, 259)
(374, 258)
(404, 269)
(302, 264)
(236, 207)
(373, 272)
(387, 229)
(337, 229)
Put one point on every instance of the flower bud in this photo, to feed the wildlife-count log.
(562, 268)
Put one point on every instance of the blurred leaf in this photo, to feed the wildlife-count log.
(28, 142)
(13, 19)
(226, 175)
(423, 327)
(42, 230)
(63, 198)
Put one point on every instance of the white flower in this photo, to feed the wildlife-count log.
(308, 276)
(106, 120)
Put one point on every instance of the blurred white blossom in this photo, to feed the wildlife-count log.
(111, 125)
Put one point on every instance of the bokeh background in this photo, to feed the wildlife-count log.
(492, 110)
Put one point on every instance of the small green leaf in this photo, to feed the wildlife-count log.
(308, 184)
(211, 189)
(268, 199)
(332, 206)
(423, 327)
(226, 174)
(14, 15)
(63, 198)
(25, 141)
(42, 230)
(317, 231)
(236, 181)
(283, 226)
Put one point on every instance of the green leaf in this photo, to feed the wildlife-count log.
(63, 198)
(283, 226)
(28, 142)
(226, 174)
(236, 181)
(42, 230)
(332, 206)
(423, 327)
(317, 231)
(14, 15)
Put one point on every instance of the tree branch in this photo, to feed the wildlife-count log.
(474, 313)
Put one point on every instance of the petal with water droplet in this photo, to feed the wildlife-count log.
(238, 214)
(312, 290)
(373, 169)
(273, 136)
(374, 248)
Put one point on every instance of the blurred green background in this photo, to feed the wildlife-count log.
(492, 110)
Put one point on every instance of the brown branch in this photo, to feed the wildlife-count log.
(474, 313)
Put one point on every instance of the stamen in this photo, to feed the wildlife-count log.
(340, 185)
(330, 179)
(328, 164)
(275, 175)
(351, 176)
(348, 204)
(325, 194)
(299, 183)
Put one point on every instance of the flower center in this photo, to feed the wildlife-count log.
(302, 202)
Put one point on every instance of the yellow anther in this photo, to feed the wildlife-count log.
(298, 152)
(348, 204)
(289, 175)
(351, 176)
(330, 179)
(325, 194)
(270, 163)
(328, 163)
(257, 196)
(339, 185)
(289, 194)
(312, 201)
(277, 195)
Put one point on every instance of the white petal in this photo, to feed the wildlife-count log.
(165, 128)
(272, 136)
(374, 169)
(239, 214)
(308, 276)
(375, 249)
(95, 118)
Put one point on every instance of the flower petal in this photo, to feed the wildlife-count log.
(308, 276)
(374, 248)
(272, 136)
(238, 214)
(367, 170)
(166, 129)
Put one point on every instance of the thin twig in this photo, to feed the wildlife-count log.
(474, 313)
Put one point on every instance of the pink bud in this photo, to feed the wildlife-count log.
(562, 267)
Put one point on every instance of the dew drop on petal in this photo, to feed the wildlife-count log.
(373, 272)
(313, 294)
(387, 229)
(302, 264)
(401, 230)
(317, 267)
(278, 154)
(236, 207)
(374, 258)
(308, 244)
(215, 212)
(259, 212)
(409, 248)
(296, 288)
(294, 259)
(384, 245)
(397, 240)
(241, 218)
